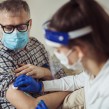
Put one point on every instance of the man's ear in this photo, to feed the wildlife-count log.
(1, 33)
(30, 23)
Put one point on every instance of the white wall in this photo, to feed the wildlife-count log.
(41, 10)
(105, 4)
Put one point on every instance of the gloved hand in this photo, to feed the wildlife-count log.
(28, 84)
(41, 105)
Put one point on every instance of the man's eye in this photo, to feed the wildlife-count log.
(22, 27)
(8, 28)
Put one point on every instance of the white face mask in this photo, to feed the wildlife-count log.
(64, 61)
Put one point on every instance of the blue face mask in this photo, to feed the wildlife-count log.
(16, 40)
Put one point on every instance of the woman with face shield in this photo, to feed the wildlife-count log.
(79, 33)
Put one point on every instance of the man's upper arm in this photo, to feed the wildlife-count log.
(6, 75)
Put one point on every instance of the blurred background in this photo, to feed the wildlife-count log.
(41, 10)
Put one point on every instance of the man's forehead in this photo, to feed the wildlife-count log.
(7, 18)
(14, 13)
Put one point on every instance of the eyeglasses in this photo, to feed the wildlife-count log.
(8, 29)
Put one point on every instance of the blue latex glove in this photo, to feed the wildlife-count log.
(28, 84)
(41, 105)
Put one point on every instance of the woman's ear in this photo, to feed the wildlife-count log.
(80, 54)
(79, 51)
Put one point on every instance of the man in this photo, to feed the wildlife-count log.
(16, 47)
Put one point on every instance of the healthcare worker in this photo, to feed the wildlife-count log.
(79, 33)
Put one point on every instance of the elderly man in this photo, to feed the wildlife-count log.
(16, 47)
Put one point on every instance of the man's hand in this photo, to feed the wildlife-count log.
(34, 71)
(41, 105)
(28, 84)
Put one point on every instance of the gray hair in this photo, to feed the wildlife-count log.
(14, 6)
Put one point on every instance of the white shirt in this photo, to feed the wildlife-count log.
(96, 89)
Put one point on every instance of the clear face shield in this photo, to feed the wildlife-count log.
(56, 39)
(55, 64)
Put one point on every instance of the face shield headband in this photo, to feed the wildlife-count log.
(56, 39)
